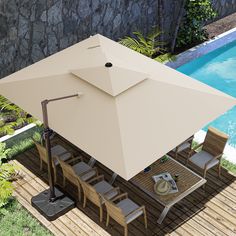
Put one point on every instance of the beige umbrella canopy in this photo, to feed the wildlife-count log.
(133, 109)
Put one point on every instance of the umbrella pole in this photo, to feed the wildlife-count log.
(47, 133)
(51, 203)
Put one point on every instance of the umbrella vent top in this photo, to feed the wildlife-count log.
(106, 70)
(110, 77)
(108, 64)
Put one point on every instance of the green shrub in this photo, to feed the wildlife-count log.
(165, 58)
(228, 165)
(149, 46)
(16, 220)
(21, 144)
(191, 30)
(8, 171)
(12, 117)
(7, 175)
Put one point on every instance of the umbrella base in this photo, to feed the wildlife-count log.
(52, 210)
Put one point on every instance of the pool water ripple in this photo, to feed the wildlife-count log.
(218, 69)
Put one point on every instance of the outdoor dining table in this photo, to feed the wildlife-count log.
(188, 181)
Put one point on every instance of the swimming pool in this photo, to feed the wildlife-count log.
(218, 69)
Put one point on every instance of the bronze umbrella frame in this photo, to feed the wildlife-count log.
(51, 203)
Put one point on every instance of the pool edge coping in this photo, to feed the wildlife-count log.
(203, 48)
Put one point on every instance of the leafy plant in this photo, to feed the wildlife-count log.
(191, 30)
(3, 152)
(12, 117)
(165, 58)
(149, 46)
(7, 175)
(6, 190)
(228, 165)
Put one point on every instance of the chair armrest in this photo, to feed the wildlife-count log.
(74, 159)
(117, 189)
(194, 149)
(214, 158)
(142, 208)
(65, 152)
(87, 171)
(177, 147)
(119, 197)
(99, 177)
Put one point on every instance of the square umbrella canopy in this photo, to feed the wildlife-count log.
(133, 109)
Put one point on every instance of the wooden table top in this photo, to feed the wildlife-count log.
(187, 182)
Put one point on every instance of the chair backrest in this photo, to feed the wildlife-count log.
(190, 140)
(68, 172)
(215, 141)
(115, 212)
(42, 151)
(91, 193)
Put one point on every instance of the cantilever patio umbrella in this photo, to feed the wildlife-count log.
(133, 109)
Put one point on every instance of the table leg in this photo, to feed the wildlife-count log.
(163, 214)
(113, 178)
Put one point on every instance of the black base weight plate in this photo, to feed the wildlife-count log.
(52, 210)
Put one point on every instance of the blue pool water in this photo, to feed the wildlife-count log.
(218, 69)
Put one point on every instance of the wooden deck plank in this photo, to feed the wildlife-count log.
(202, 213)
(228, 227)
(89, 223)
(221, 229)
(21, 198)
(222, 184)
(77, 220)
(68, 224)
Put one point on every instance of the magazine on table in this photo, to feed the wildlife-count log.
(167, 176)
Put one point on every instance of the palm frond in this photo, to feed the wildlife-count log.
(130, 42)
(149, 46)
(141, 38)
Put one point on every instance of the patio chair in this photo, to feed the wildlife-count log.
(96, 190)
(124, 211)
(79, 170)
(56, 150)
(183, 146)
(211, 152)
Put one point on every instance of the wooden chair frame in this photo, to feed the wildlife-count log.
(212, 146)
(43, 158)
(69, 173)
(116, 213)
(91, 194)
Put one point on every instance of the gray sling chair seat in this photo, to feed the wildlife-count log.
(56, 150)
(79, 169)
(123, 210)
(96, 190)
(211, 152)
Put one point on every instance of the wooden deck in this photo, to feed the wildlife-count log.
(207, 213)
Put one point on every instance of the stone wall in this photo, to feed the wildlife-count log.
(224, 7)
(33, 29)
